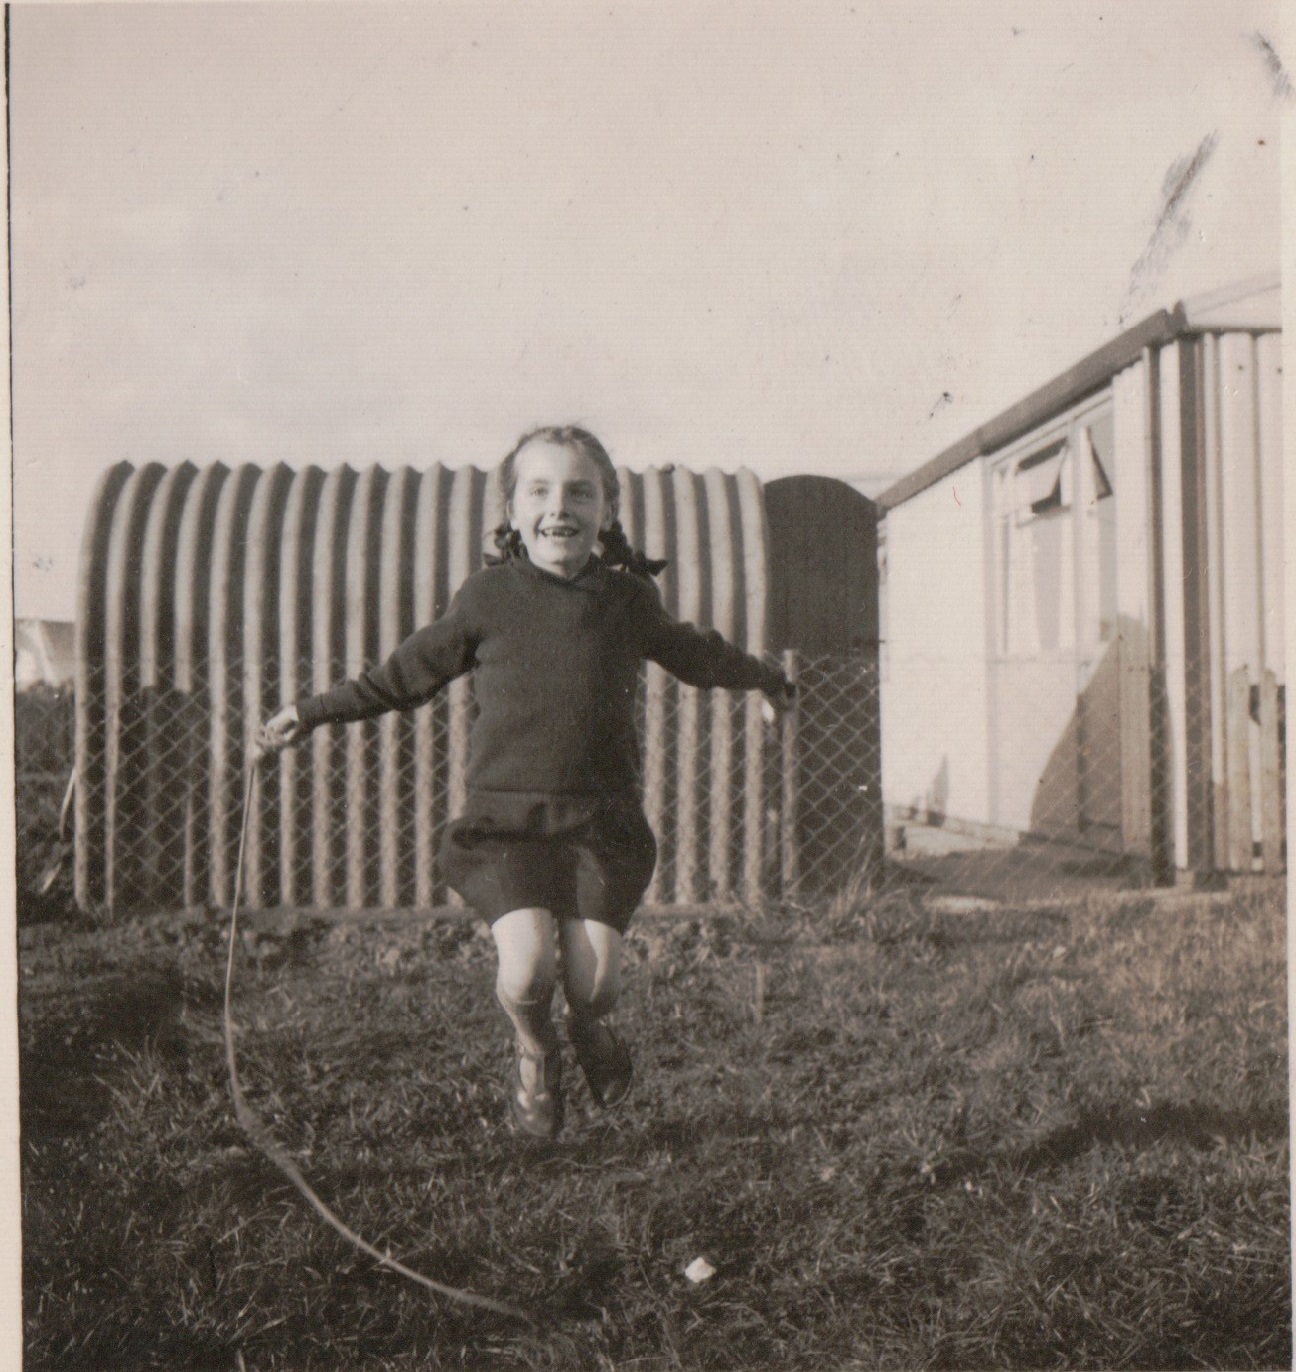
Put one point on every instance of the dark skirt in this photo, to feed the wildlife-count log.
(580, 857)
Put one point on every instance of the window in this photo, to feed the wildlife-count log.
(1043, 482)
(1098, 536)
(1055, 540)
(1035, 499)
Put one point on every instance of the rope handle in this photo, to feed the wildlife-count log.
(256, 1130)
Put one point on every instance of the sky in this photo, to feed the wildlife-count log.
(824, 237)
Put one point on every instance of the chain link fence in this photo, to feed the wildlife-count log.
(1044, 791)
(743, 808)
(43, 760)
(746, 808)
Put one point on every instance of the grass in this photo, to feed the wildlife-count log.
(1016, 1138)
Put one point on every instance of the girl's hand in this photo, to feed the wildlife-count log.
(281, 730)
(781, 699)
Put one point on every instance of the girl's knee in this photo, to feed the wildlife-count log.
(527, 948)
(591, 968)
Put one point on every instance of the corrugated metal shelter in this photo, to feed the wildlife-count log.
(1084, 603)
(208, 596)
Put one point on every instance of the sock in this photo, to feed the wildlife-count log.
(531, 1022)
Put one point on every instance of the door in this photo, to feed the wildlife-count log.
(1056, 677)
(1097, 667)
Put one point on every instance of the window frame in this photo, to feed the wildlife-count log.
(1010, 523)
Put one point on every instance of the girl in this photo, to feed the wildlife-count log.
(553, 848)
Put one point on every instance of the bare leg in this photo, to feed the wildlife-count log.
(591, 967)
(528, 965)
(527, 945)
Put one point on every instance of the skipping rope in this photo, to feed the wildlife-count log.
(260, 1135)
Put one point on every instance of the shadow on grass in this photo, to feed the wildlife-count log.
(62, 1062)
(1195, 1126)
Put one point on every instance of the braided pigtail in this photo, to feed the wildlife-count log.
(617, 552)
(509, 543)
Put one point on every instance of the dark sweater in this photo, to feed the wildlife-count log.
(555, 666)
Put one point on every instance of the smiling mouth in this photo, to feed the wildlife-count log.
(562, 531)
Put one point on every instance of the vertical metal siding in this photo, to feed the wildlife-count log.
(430, 562)
(396, 622)
(163, 729)
(464, 558)
(326, 655)
(1222, 475)
(89, 724)
(260, 661)
(1241, 382)
(293, 646)
(1272, 667)
(1240, 578)
(693, 592)
(208, 596)
(361, 637)
(1212, 427)
(193, 572)
(657, 542)
(719, 539)
(123, 811)
(1132, 456)
(1186, 601)
(755, 542)
(224, 673)
(1175, 507)
(1214, 598)
(1269, 434)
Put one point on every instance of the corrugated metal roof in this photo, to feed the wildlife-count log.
(1250, 304)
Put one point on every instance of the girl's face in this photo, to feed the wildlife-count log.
(558, 506)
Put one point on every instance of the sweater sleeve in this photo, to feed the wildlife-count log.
(428, 660)
(701, 657)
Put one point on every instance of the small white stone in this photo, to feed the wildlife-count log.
(699, 1270)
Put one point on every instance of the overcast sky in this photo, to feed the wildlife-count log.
(798, 237)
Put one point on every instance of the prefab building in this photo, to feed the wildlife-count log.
(209, 596)
(1083, 604)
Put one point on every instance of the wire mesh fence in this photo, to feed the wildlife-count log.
(1039, 789)
(745, 807)
(745, 810)
(43, 753)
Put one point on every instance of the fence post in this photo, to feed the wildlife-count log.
(1272, 826)
(791, 855)
(1237, 751)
